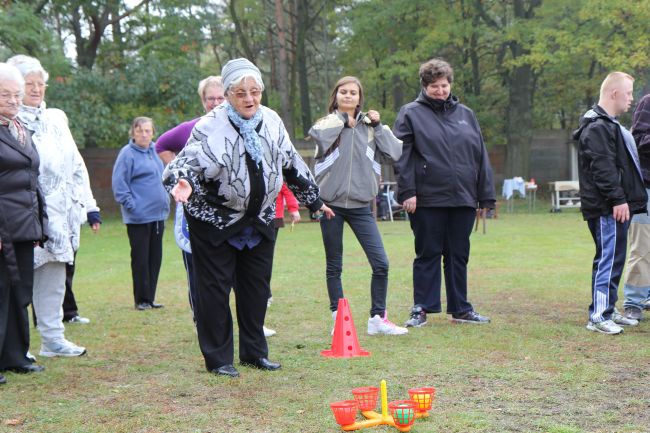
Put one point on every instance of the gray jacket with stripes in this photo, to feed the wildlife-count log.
(348, 160)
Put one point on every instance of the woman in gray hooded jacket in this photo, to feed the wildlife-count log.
(350, 147)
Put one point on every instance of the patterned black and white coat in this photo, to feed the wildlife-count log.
(228, 190)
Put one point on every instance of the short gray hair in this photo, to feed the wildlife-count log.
(28, 65)
(11, 73)
(211, 81)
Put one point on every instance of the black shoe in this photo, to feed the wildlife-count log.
(262, 364)
(154, 305)
(143, 306)
(470, 317)
(226, 370)
(634, 313)
(2, 380)
(27, 368)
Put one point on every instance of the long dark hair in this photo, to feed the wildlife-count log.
(343, 81)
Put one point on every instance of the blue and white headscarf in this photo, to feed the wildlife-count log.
(247, 130)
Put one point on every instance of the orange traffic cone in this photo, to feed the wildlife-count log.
(345, 343)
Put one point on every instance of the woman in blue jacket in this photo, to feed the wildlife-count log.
(138, 188)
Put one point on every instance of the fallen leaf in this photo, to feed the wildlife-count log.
(15, 421)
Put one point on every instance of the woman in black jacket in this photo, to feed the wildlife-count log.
(21, 225)
(444, 175)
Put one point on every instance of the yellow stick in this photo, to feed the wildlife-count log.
(384, 399)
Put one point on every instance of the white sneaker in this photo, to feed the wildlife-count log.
(334, 320)
(61, 348)
(620, 319)
(381, 325)
(605, 327)
(269, 302)
(31, 357)
(78, 319)
(268, 332)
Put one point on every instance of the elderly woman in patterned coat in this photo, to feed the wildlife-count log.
(229, 175)
(64, 180)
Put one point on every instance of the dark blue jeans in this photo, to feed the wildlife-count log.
(363, 224)
(441, 232)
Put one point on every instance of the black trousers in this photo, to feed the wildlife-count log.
(189, 269)
(218, 267)
(441, 232)
(146, 258)
(70, 308)
(14, 299)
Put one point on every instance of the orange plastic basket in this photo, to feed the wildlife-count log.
(423, 397)
(345, 412)
(403, 412)
(367, 397)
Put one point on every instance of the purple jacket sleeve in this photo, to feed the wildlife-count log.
(175, 139)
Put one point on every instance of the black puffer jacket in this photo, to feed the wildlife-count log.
(444, 162)
(607, 171)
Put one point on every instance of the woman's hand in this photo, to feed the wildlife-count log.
(374, 117)
(181, 192)
(410, 204)
(329, 213)
(295, 217)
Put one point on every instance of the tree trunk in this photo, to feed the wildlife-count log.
(283, 84)
(519, 121)
(398, 93)
(301, 60)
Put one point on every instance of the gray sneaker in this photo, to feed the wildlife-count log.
(605, 327)
(634, 313)
(61, 348)
(470, 317)
(418, 317)
(620, 319)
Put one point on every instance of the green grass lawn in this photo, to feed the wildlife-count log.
(534, 369)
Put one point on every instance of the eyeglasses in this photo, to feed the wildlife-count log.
(40, 85)
(255, 93)
(10, 96)
(213, 99)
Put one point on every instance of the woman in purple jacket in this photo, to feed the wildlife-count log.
(168, 146)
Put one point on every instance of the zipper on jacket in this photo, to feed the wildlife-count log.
(347, 197)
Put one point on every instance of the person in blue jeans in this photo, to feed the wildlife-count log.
(350, 147)
(611, 191)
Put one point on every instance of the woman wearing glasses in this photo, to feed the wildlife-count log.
(228, 176)
(21, 225)
(168, 146)
(64, 180)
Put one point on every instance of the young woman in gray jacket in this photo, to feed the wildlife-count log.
(350, 147)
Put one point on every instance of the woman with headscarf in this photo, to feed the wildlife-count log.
(64, 180)
(229, 175)
(22, 218)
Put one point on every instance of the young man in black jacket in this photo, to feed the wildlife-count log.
(611, 190)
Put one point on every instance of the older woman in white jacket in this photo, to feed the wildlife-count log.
(64, 180)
